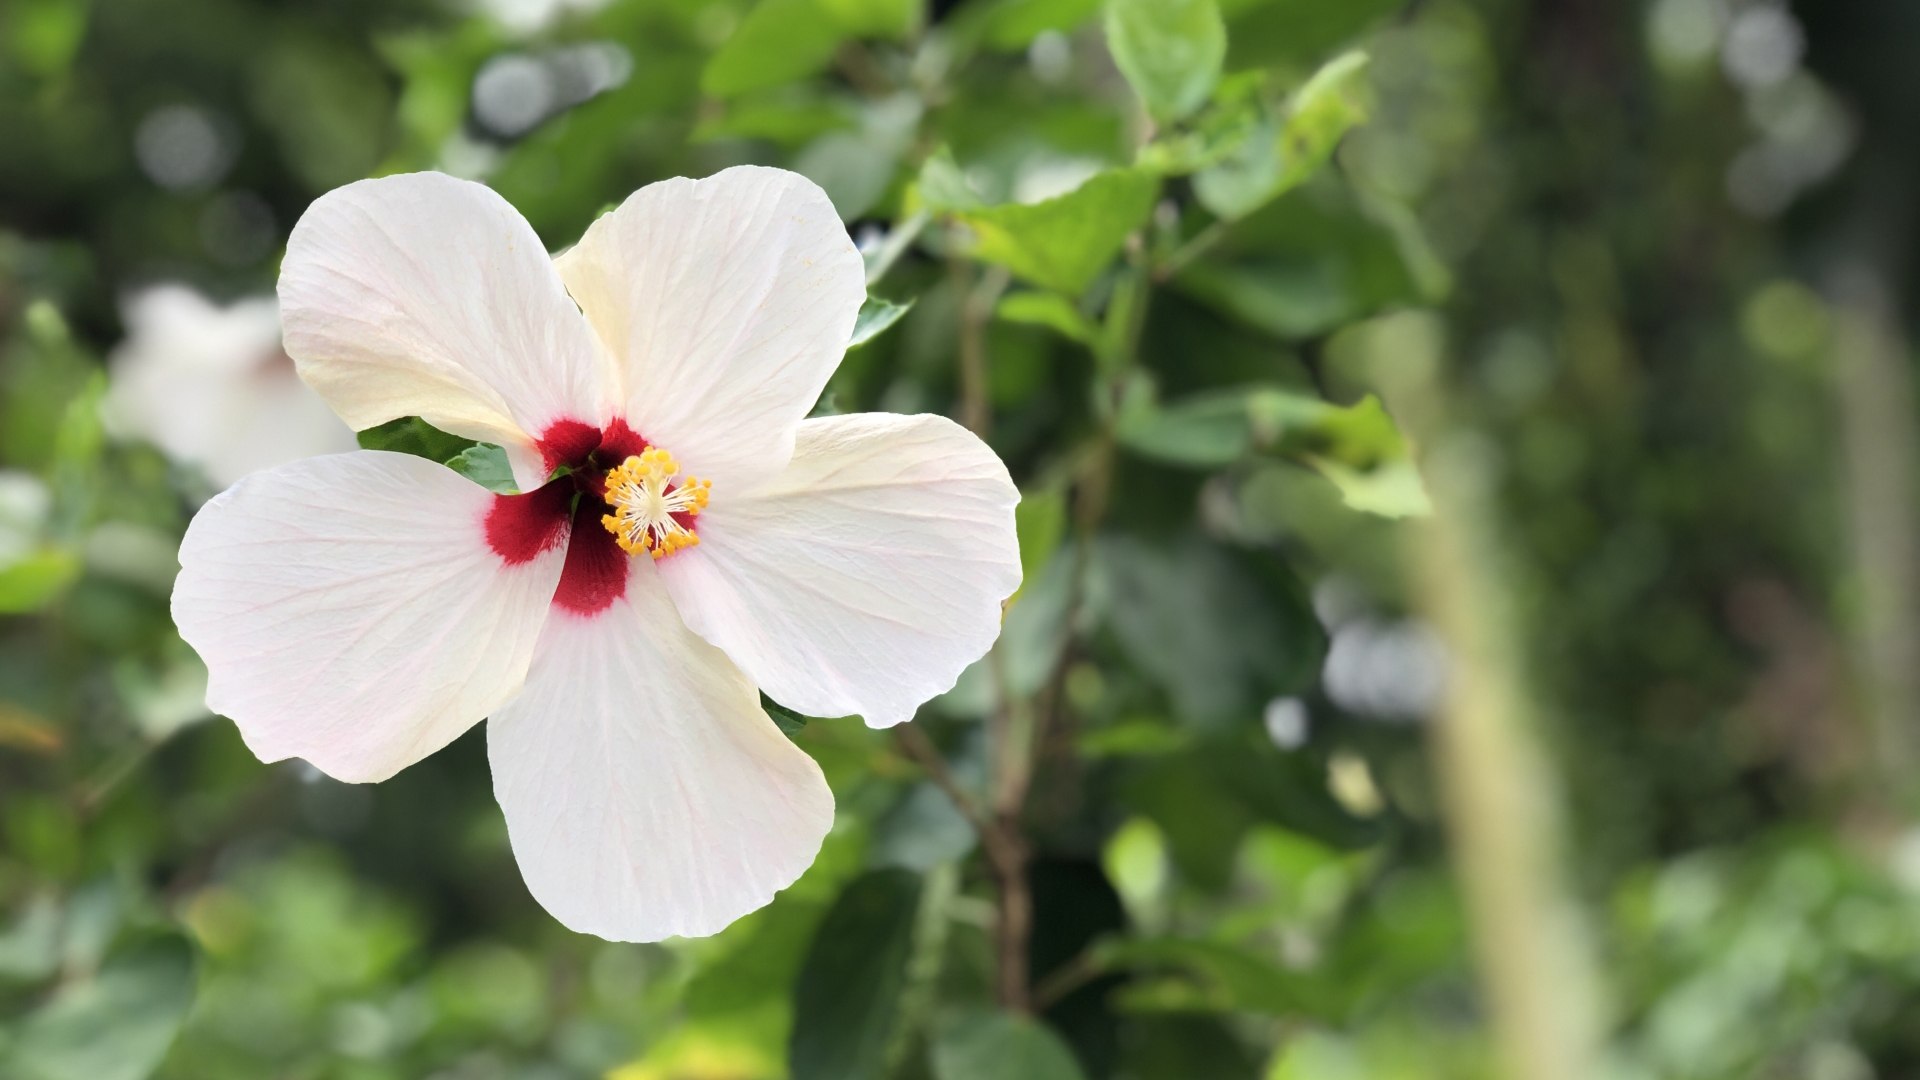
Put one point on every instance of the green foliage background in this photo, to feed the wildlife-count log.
(1167, 256)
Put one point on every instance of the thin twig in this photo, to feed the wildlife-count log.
(1065, 979)
(916, 745)
(1202, 241)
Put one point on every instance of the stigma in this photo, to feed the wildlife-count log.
(653, 505)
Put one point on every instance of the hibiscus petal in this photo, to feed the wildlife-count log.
(646, 793)
(864, 577)
(423, 295)
(729, 302)
(351, 612)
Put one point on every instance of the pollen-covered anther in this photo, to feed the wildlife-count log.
(649, 496)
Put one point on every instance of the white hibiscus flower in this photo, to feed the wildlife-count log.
(614, 622)
(210, 386)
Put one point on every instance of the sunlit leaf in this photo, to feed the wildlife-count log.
(1170, 51)
(779, 41)
(1286, 151)
(35, 581)
(1066, 241)
(1050, 310)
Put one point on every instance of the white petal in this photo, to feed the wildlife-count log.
(210, 386)
(646, 793)
(864, 577)
(729, 301)
(351, 612)
(423, 295)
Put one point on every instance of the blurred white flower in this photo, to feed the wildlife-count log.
(211, 386)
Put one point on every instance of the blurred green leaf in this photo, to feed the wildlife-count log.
(328, 105)
(1232, 979)
(35, 581)
(1065, 242)
(847, 998)
(873, 18)
(1221, 630)
(1171, 51)
(1050, 310)
(876, 315)
(1285, 153)
(1002, 1046)
(941, 184)
(487, 465)
(43, 35)
(1295, 33)
(779, 41)
(116, 1025)
(1040, 522)
(1014, 24)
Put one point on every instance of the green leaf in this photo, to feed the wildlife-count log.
(1285, 153)
(1171, 51)
(1015, 23)
(789, 722)
(1206, 431)
(1065, 242)
(412, 435)
(873, 18)
(875, 316)
(1002, 1046)
(1358, 447)
(1050, 310)
(778, 42)
(37, 579)
(943, 186)
(847, 998)
(485, 464)
(1231, 978)
(1222, 630)
(1362, 451)
(1295, 33)
(116, 1025)
(1040, 523)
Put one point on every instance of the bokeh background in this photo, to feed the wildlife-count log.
(1472, 624)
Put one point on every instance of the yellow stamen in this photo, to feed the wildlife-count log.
(645, 497)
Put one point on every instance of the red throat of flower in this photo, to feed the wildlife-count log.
(618, 497)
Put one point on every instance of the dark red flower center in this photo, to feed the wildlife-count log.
(567, 510)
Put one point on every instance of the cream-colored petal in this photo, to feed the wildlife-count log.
(646, 793)
(728, 302)
(866, 575)
(423, 295)
(351, 611)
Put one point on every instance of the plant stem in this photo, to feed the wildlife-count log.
(1874, 389)
(1202, 241)
(1502, 794)
(976, 309)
